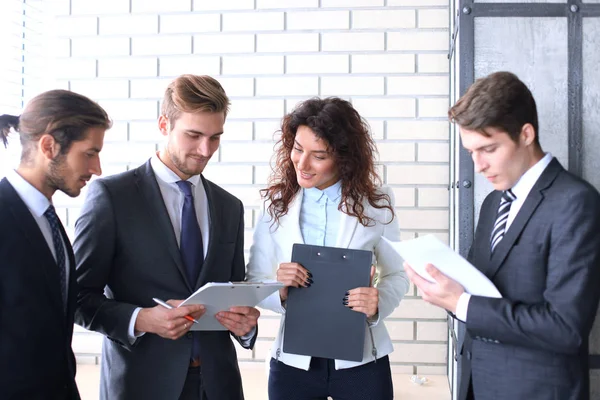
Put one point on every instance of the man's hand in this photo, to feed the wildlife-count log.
(169, 324)
(239, 320)
(294, 275)
(444, 292)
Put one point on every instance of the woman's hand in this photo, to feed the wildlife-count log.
(294, 275)
(363, 299)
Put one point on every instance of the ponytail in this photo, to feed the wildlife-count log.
(6, 123)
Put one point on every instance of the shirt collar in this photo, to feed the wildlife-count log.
(33, 198)
(333, 193)
(167, 175)
(530, 177)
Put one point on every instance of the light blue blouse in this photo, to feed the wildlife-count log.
(319, 215)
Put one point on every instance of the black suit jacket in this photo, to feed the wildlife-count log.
(533, 342)
(36, 360)
(127, 254)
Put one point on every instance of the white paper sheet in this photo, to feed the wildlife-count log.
(430, 250)
(220, 296)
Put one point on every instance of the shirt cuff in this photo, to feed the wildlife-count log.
(131, 331)
(247, 338)
(373, 320)
(463, 306)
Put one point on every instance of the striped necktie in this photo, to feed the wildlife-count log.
(55, 225)
(500, 225)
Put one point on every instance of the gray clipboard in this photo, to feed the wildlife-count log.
(317, 323)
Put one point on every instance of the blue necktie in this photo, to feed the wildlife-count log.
(191, 248)
(52, 218)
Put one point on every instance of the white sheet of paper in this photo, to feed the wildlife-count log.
(220, 296)
(430, 250)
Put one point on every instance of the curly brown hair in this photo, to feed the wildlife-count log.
(348, 138)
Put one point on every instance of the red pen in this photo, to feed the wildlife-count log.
(170, 307)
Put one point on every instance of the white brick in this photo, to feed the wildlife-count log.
(433, 107)
(377, 128)
(100, 46)
(229, 174)
(99, 7)
(351, 3)
(253, 65)
(161, 45)
(400, 330)
(267, 130)
(126, 67)
(423, 3)
(352, 85)
(242, 152)
(287, 4)
(237, 130)
(253, 22)
(317, 64)
(433, 18)
(59, 47)
(287, 42)
(423, 219)
(237, 86)
(262, 173)
(121, 153)
(418, 40)
(129, 25)
(102, 89)
(418, 130)
(417, 175)
(224, 43)
(418, 85)
(383, 63)
(405, 197)
(175, 66)
(69, 68)
(385, 107)
(353, 41)
(207, 5)
(144, 131)
(187, 23)
(383, 19)
(117, 133)
(249, 196)
(53, 7)
(154, 6)
(432, 63)
(433, 197)
(256, 108)
(433, 152)
(318, 20)
(291, 86)
(75, 26)
(419, 353)
(149, 88)
(396, 152)
(131, 109)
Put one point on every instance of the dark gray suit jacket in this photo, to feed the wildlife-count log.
(126, 254)
(533, 343)
(36, 360)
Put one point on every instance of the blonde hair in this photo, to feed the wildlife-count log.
(194, 93)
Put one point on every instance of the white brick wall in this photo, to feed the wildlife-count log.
(386, 56)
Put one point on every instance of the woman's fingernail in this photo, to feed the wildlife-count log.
(309, 274)
(345, 302)
(347, 294)
(309, 281)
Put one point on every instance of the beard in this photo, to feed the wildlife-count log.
(180, 165)
(55, 177)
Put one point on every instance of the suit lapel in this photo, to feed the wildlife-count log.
(38, 245)
(534, 199)
(347, 228)
(157, 213)
(214, 214)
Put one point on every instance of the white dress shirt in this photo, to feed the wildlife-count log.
(521, 191)
(37, 204)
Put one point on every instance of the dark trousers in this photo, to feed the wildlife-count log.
(371, 381)
(193, 389)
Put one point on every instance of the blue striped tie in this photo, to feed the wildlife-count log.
(500, 225)
(54, 222)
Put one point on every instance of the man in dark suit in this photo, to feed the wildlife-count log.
(61, 133)
(162, 230)
(538, 241)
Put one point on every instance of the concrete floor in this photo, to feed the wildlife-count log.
(255, 384)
